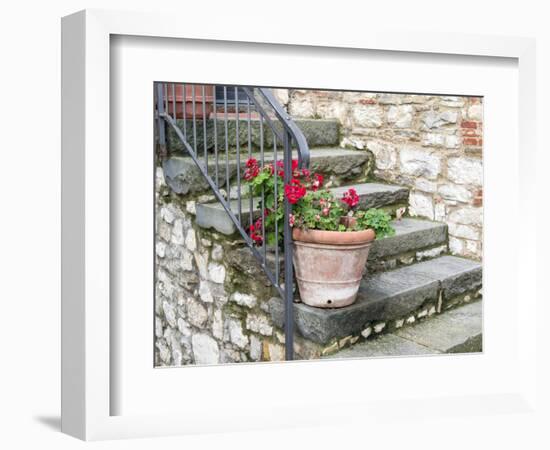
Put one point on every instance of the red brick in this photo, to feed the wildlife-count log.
(478, 198)
(468, 124)
(470, 141)
(367, 101)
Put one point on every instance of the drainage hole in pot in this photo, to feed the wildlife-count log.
(329, 302)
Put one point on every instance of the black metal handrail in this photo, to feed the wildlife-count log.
(272, 117)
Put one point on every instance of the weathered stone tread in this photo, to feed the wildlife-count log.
(385, 296)
(183, 176)
(456, 331)
(318, 133)
(384, 345)
(374, 195)
(410, 235)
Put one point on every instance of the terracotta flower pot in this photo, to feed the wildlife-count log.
(329, 265)
(187, 100)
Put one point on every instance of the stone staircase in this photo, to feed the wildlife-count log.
(411, 278)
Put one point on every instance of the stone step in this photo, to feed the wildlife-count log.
(459, 330)
(388, 296)
(414, 240)
(318, 133)
(212, 215)
(341, 165)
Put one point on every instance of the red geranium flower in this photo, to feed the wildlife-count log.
(256, 238)
(251, 172)
(252, 169)
(281, 166)
(317, 182)
(351, 198)
(253, 231)
(294, 191)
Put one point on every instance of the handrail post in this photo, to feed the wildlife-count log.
(287, 236)
(160, 118)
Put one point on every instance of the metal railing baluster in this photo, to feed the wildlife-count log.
(276, 206)
(160, 122)
(227, 184)
(166, 98)
(204, 128)
(287, 248)
(250, 203)
(215, 120)
(174, 99)
(184, 107)
(238, 140)
(194, 118)
(262, 159)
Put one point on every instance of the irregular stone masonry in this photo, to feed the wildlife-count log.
(432, 144)
(212, 298)
(210, 294)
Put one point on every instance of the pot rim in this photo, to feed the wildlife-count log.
(333, 237)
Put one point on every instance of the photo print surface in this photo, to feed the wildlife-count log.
(306, 224)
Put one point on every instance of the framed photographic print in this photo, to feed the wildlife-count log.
(254, 227)
(355, 176)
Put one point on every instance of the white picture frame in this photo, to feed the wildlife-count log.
(86, 325)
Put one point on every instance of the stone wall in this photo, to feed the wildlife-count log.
(210, 294)
(432, 144)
